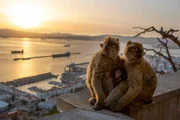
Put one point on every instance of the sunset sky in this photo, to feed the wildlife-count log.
(88, 16)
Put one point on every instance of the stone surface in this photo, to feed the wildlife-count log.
(80, 100)
(82, 114)
(167, 83)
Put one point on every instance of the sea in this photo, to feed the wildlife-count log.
(10, 69)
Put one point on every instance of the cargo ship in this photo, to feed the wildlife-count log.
(17, 51)
(67, 54)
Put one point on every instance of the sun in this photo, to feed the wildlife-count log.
(26, 15)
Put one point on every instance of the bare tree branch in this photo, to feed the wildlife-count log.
(165, 34)
(156, 52)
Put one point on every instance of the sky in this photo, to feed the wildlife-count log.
(89, 16)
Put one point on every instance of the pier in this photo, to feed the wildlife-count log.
(67, 54)
(31, 79)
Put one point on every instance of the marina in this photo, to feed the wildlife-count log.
(72, 79)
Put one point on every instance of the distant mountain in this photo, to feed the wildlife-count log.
(5, 33)
(14, 33)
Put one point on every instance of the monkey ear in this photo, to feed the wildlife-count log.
(101, 45)
(109, 37)
(117, 39)
(128, 42)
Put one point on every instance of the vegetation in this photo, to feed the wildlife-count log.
(166, 36)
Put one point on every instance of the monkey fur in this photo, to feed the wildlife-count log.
(141, 80)
(99, 68)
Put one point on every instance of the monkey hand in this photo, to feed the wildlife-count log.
(115, 107)
(92, 100)
(98, 106)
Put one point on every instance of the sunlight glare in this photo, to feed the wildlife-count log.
(26, 15)
(26, 42)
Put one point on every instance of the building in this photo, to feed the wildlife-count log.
(17, 115)
(48, 105)
(14, 91)
(5, 97)
(3, 106)
(80, 83)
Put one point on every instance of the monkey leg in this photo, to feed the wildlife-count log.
(107, 84)
(146, 95)
(99, 93)
(126, 99)
(92, 99)
(116, 94)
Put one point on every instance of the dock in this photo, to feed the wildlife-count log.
(31, 79)
(67, 54)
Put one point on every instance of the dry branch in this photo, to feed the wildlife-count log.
(165, 34)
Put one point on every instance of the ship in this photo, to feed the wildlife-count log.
(68, 45)
(17, 51)
(67, 54)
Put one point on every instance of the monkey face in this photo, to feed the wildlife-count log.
(118, 74)
(111, 47)
(134, 50)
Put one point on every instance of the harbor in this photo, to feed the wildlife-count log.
(31, 79)
(30, 94)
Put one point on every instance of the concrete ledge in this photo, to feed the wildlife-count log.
(168, 87)
(80, 100)
(82, 114)
(63, 106)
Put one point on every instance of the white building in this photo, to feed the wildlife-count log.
(160, 67)
(3, 105)
(5, 97)
(14, 91)
(63, 90)
(48, 105)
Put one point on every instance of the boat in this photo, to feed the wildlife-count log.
(68, 45)
(17, 51)
(35, 88)
(67, 54)
(55, 83)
